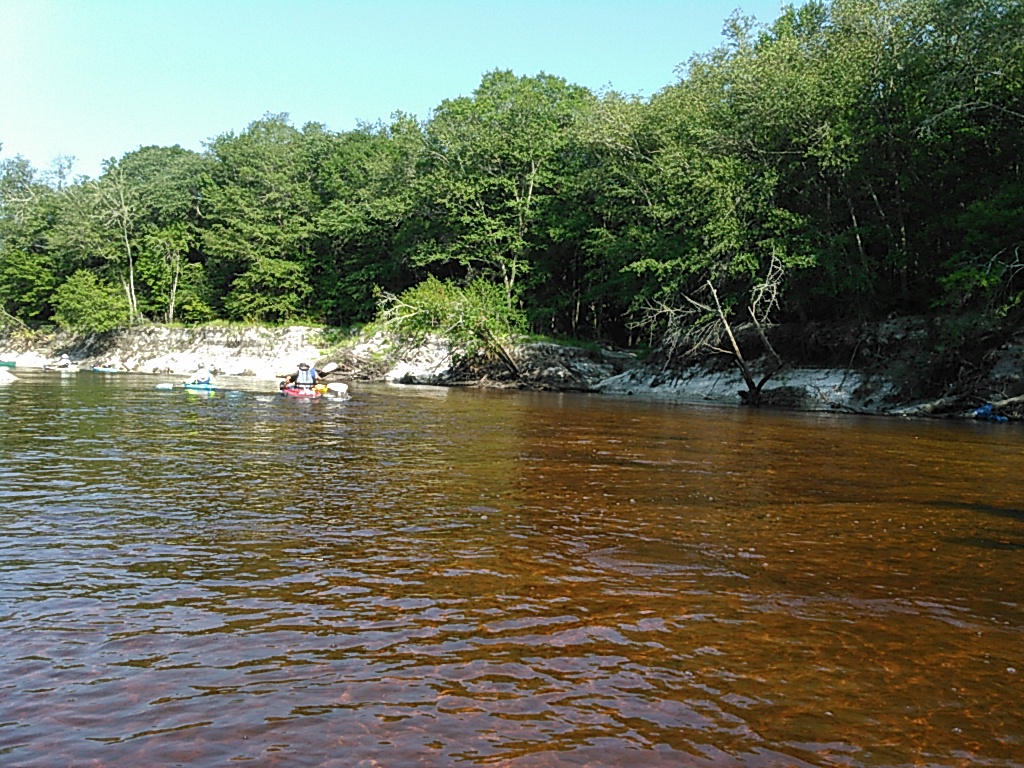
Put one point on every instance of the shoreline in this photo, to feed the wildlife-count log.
(255, 351)
(267, 353)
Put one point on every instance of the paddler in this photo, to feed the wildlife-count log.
(304, 378)
(202, 375)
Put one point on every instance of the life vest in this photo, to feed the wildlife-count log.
(305, 377)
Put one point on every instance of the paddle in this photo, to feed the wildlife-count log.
(337, 388)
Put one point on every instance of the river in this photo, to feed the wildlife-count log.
(436, 577)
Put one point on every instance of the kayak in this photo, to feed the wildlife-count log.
(61, 369)
(194, 387)
(103, 369)
(7, 363)
(304, 392)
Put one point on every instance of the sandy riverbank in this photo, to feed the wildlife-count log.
(883, 365)
(250, 351)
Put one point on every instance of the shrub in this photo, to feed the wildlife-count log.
(474, 318)
(83, 303)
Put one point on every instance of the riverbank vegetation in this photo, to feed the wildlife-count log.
(861, 157)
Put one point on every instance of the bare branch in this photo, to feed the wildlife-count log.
(703, 324)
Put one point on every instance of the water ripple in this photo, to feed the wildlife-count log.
(423, 578)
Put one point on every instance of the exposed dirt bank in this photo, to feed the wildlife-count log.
(903, 367)
(235, 351)
(900, 367)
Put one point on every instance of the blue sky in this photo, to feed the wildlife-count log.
(98, 78)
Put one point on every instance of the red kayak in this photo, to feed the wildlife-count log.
(306, 392)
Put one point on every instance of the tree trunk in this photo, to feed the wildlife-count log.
(753, 390)
(176, 261)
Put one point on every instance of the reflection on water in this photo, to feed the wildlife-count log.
(438, 577)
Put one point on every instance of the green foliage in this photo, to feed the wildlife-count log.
(27, 282)
(258, 204)
(169, 183)
(976, 278)
(84, 304)
(177, 289)
(870, 149)
(364, 179)
(472, 318)
(193, 303)
(493, 168)
(271, 289)
(336, 337)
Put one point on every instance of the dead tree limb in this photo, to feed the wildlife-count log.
(704, 325)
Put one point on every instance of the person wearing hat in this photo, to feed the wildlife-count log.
(64, 362)
(202, 375)
(304, 378)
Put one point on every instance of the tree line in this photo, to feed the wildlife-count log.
(852, 160)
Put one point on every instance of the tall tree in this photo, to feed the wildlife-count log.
(492, 164)
(717, 216)
(259, 209)
(579, 287)
(366, 181)
(119, 206)
(28, 272)
(169, 182)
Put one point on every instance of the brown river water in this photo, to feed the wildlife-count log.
(428, 577)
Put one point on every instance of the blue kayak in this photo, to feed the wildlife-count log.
(190, 386)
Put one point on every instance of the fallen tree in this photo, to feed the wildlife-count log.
(703, 325)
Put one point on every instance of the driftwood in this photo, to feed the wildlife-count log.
(926, 409)
(1018, 400)
(944, 404)
(990, 411)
